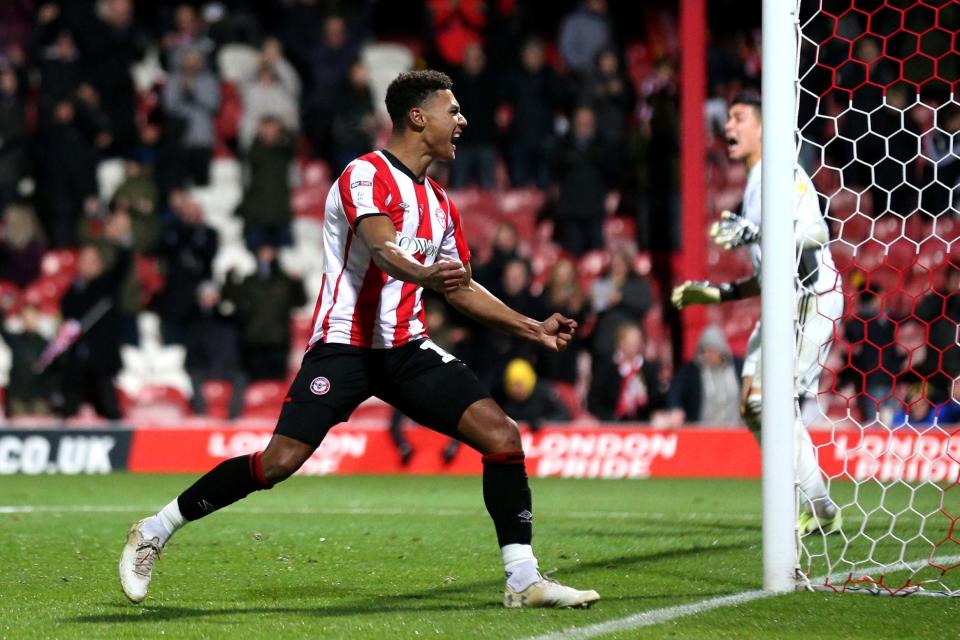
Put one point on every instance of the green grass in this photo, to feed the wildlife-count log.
(408, 557)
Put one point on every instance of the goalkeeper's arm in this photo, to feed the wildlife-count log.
(703, 292)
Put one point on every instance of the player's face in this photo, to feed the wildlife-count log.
(743, 132)
(443, 124)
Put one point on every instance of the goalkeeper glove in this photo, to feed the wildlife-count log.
(703, 292)
(732, 231)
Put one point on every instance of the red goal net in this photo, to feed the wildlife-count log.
(879, 134)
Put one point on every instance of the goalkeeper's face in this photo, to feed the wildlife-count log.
(743, 133)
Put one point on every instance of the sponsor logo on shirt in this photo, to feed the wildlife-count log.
(417, 246)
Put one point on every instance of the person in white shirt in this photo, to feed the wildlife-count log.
(819, 300)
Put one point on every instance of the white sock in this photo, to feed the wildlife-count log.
(520, 565)
(164, 523)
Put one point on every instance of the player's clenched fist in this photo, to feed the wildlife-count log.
(557, 331)
(445, 276)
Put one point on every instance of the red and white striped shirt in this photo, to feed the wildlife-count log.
(359, 304)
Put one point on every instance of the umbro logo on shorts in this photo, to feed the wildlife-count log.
(319, 386)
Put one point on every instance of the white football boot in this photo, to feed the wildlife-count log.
(136, 562)
(547, 592)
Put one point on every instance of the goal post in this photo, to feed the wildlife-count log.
(777, 294)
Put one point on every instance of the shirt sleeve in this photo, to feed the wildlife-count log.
(454, 246)
(363, 192)
(811, 229)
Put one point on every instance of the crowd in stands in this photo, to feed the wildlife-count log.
(566, 101)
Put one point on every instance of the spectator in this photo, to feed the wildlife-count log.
(28, 391)
(268, 94)
(584, 171)
(626, 386)
(527, 399)
(264, 302)
(187, 249)
(329, 61)
(22, 245)
(213, 349)
(111, 43)
(476, 88)
(872, 339)
(90, 364)
(13, 135)
(563, 295)
(610, 93)
(457, 25)
(940, 310)
(707, 389)
(355, 120)
(505, 248)
(535, 94)
(189, 33)
(266, 208)
(66, 173)
(621, 295)
(192, 95)
(583, 34)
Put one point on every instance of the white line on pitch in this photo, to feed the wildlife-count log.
(382, 511)
(659, 616)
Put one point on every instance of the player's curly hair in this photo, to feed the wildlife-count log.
(411, 89)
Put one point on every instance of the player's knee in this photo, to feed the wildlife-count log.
(504, 435)
(280, 465)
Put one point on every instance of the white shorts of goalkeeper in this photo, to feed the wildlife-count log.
(817, 317)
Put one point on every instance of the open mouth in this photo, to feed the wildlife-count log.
(454, 138)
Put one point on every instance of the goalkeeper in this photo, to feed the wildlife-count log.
(819, 301)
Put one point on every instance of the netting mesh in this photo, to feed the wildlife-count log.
(878, 122)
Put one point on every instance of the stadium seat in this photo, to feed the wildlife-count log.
(157, 403)
(57, 261)
(110, 174)
(385, 61)
(237, 62)
(216, 393)
(373, 410)
(264, 398)
(570, 398)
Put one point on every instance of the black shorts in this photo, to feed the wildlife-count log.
(425, 383)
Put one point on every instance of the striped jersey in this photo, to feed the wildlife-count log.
(816, 272)
(358, 303)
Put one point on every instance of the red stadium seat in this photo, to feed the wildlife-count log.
(264, 398)
(216, 393)
(58, 261)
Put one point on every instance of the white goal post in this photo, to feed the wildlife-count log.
(777, 294)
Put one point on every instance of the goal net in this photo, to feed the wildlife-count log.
(879, 132)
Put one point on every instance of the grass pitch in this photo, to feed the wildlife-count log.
(410, 557)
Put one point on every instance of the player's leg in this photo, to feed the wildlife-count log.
(809, 480)
(818, 317)
(331, 383)
(436, 390)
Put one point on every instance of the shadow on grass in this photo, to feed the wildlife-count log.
(436, 599)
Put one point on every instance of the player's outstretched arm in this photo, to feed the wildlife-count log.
(380, 236)
(474, 300)
(703, 292)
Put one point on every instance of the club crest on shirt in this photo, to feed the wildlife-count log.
(441, 216)
(319, 386)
